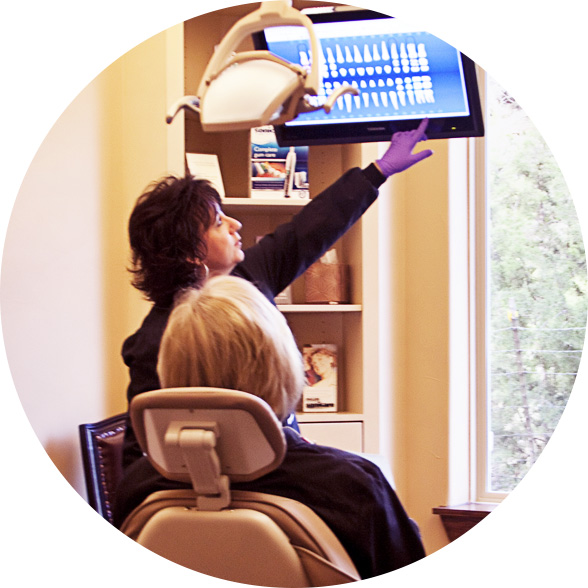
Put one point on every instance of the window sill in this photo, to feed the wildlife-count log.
(459, 519)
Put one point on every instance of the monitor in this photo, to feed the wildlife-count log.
(403, 75)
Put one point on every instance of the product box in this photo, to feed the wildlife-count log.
(327, 283)
(320, 365)
(277, 172)
(327, 280)
(205, 166)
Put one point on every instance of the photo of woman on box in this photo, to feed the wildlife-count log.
(324, 363)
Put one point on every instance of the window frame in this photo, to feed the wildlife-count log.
(469, 317)
(469, 322)
(479, 293)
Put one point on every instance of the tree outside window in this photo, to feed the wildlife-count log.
(537, 285)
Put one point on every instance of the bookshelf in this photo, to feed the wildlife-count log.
(352, 327)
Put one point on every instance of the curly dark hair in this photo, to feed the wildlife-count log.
(166, 231)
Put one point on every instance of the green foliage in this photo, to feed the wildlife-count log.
(538, 285)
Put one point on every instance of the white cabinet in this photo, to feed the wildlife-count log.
(342, 435)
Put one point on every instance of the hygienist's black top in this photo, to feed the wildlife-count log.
(349, 493)
(271, 265)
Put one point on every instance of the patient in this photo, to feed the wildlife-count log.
(228, 335)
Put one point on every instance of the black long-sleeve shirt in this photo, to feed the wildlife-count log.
(349, 493)
(271, 265)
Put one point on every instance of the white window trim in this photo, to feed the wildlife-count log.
(468, 427)
(459, 475)
(479, 321)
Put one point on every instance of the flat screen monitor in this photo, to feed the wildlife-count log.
(403, 75)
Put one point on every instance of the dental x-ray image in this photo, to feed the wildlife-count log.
(415, 73)
(403, 75)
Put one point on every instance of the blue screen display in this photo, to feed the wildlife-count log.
(400, 74)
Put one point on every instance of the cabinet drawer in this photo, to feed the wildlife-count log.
(347, 436)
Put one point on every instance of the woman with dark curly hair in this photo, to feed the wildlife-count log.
(179, 236)
(167, 233)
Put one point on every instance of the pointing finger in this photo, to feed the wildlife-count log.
(422, 127)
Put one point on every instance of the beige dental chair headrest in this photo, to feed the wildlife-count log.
(209, 437)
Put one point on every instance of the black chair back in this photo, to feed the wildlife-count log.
(101, 445)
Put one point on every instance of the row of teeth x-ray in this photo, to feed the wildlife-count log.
(379, 72)
(410, 74)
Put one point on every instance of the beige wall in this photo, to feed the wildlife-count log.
(420, 323)
(138, 148)
(51, 285)
(67, 305)
(66, 300)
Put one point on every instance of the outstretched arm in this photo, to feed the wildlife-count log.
(399, 155)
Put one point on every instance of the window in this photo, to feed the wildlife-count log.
(531, 277)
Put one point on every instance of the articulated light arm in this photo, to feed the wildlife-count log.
(269, 14)
(255, 88)
(188, 102)
(327, 106)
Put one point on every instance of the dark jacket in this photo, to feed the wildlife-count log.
(349, 493)
(272, 264)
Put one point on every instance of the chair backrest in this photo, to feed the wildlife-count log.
(245, 537)
(101, 446)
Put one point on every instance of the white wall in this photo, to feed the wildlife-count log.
(67, 304)
(51, 284)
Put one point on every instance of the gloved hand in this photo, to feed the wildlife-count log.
(399, 155)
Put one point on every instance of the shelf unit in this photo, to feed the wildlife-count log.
(240, 205)
(292, 308)
(352, 327)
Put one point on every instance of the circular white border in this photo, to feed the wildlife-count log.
(51, 50)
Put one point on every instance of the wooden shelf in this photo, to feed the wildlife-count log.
(458, 520)
(264, 205)
(292, 308)
(331, 417)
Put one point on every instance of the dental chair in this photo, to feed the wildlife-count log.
(239, 91)
(210, 437)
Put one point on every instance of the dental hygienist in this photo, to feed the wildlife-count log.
(179, 236)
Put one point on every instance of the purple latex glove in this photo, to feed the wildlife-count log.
(399, 155)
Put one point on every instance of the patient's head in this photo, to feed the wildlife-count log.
(228, 335)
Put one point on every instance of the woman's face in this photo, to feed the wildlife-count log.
(322, 363)
(223, 244)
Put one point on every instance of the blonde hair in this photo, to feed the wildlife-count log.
(228, 335)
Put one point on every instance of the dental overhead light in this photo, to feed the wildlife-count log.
(255, 88)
